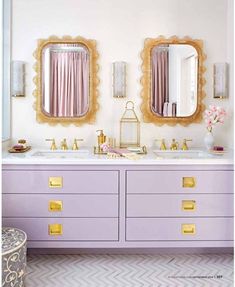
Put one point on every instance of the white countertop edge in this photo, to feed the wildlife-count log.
(149, 159)
(117, 162)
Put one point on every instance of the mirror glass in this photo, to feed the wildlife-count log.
(174, 80)
(65, 80)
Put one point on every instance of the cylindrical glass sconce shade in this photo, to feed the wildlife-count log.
(18, 79)
(119, 79)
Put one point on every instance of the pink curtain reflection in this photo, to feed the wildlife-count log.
(69, 83)
(160, 79)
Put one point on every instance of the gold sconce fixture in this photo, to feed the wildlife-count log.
(129, 127)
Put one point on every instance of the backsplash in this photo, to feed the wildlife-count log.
(119, 27)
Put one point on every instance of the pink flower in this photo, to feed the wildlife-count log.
(208, 112)
(212, 108)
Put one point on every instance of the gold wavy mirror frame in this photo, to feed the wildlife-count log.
(93, 81)
(148, 115)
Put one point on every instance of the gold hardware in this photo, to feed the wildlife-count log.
(185, 146)
(189, 229)
(75, 144)
(64, 145)
(55, 205)
(53, 145)
(189, 182)
(174, 145)
(148, 115)
(55, 229)
(188, 205)
(56, 182)
(101, 137)
(163, 144)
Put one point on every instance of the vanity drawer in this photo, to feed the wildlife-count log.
(154, 229)
(174, 181)
(159, 205)
(49, 205)
(22, 181)
(77, 229)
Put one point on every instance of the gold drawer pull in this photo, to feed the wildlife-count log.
(188, 229)
(189, 182)
(55, 182)
(55, 205)
(188, 205)
(55, 229)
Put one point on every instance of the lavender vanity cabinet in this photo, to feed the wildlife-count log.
(120, 206)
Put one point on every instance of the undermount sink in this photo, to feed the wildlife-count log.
(81, 153)
(172, 154)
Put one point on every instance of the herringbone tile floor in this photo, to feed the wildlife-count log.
(210, 270)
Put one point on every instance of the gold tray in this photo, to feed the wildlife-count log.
(12, 150)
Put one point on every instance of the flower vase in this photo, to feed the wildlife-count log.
(209, 140)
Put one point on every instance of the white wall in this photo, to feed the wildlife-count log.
(120, 28)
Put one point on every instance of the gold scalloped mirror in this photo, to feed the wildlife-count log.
(66, 80)
(172, 81)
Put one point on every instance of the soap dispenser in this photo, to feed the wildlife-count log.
(101, 137)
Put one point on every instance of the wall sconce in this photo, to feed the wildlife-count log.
(220, 75)
(129, 127)
(18, 79)
(119, 79)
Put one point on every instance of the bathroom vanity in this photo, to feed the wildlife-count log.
(97, 202)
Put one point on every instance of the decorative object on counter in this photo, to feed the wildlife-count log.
(119, 79)
(129, 127)
(162, 75)
(13, 257)
(20, 147)
(75, 100)
(101, 143)
(212, 116)
(218, 150)
(18, 79)
(220, 77)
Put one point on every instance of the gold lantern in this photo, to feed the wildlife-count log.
(129, 127)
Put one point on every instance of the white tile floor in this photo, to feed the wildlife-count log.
(130, 270)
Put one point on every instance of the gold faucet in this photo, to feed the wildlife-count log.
(53, 145)
(163, 144)
(64, 145)
(174, 145)
(75, 144)
(185, 146)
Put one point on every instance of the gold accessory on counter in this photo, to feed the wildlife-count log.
(55, 181)
(75, 144)
(53, 145)
(101, 139)
(13, 150)
(163, 144)
(129, 127)
(174, 145)
(185, 146)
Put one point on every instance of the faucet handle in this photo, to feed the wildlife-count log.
(75, 144)
(163, 144)
(53, 144)
(185, 146)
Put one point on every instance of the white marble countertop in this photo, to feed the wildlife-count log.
(89, 158)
